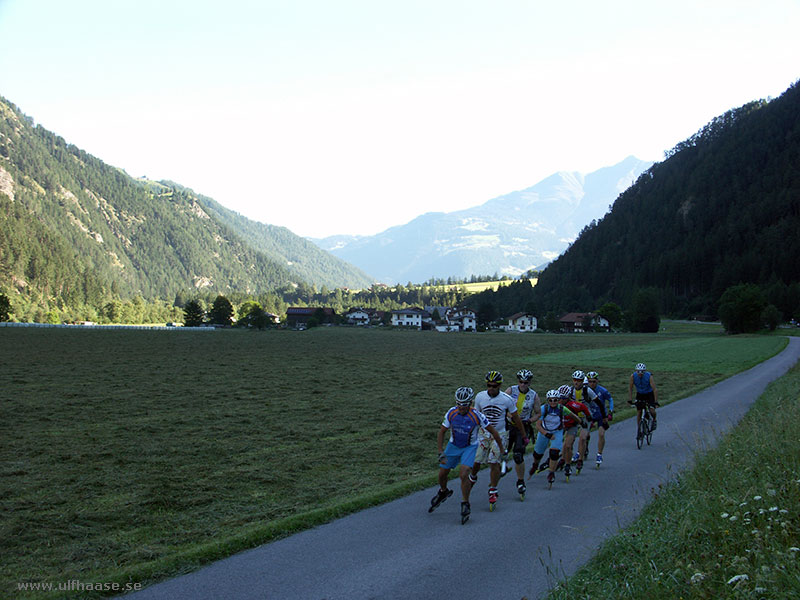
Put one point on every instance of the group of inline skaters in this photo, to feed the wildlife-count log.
(501, 422)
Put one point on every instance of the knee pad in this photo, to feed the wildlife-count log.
(518, 458)
(537, 457)
(554, 454)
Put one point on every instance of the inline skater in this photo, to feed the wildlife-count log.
(578, 415)
(602, 415)
(497, 406)
(582, 393)
(464, 423)
(529, 408)
(550, 426)
(646, 393)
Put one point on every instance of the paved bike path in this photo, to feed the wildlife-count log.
(399, 550)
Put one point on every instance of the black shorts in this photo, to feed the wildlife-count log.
(515, 439)
(648, 399)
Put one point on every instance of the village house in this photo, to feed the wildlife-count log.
(359, 316)
(521, 321)
(411, 317)
(578, 322)
(463, 318)
(300, 315)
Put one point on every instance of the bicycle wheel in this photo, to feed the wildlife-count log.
(640, 434)
(649, 434)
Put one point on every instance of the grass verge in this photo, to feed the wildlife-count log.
(727, 528)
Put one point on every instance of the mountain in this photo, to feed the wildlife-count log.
(76, 231)
(304, 259)
(722, 209)
(507, 235)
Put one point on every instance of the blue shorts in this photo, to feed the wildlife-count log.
(455, 455)
(542, 442)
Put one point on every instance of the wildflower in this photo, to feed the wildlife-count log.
(724, 515)
(697, 577)
(772, 492)
(743, 504)
(754, 532)
(733, 518)
(760, 590)
(773, 509)
(794, 549)
(783, 511)
(737, 578)
(756, 497)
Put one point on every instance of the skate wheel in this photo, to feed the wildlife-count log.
(491, 506)
(464, 519)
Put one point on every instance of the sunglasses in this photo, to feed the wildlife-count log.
(493, 385)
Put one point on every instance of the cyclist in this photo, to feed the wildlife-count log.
(496, 405)
(550, 426)
(582, 393)
(463, 422)
(578, 415)
(602, 414)
(646, 392)
(529, 408)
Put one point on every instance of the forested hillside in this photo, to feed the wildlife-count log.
(723, 208)
(302, 257)
(76, 233)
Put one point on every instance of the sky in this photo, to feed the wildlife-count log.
(352, 116)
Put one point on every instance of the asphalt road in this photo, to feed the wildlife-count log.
(399, 550)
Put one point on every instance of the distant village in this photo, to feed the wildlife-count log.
(440, 318)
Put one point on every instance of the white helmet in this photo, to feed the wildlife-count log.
(565, 391)
(552, 394)
(524, 375)
(578, 375)
(464, 396)
(640, 367)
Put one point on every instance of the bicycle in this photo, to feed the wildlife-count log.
(644, 431)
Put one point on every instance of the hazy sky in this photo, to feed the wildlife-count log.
(342, 116)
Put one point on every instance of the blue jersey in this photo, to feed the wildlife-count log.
(605, 396)
(642, 382)
(464, 428)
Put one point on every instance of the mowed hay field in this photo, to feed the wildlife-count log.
(135, 455)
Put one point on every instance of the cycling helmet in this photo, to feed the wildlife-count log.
(592, 375)
(552, 395)
(578, 375)
(640, 367)
(494, 377)
(565, 391)
(464, 396)
(524, 375)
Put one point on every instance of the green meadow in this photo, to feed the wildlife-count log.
(131, 455)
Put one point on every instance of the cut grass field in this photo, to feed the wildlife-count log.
(130, 456)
